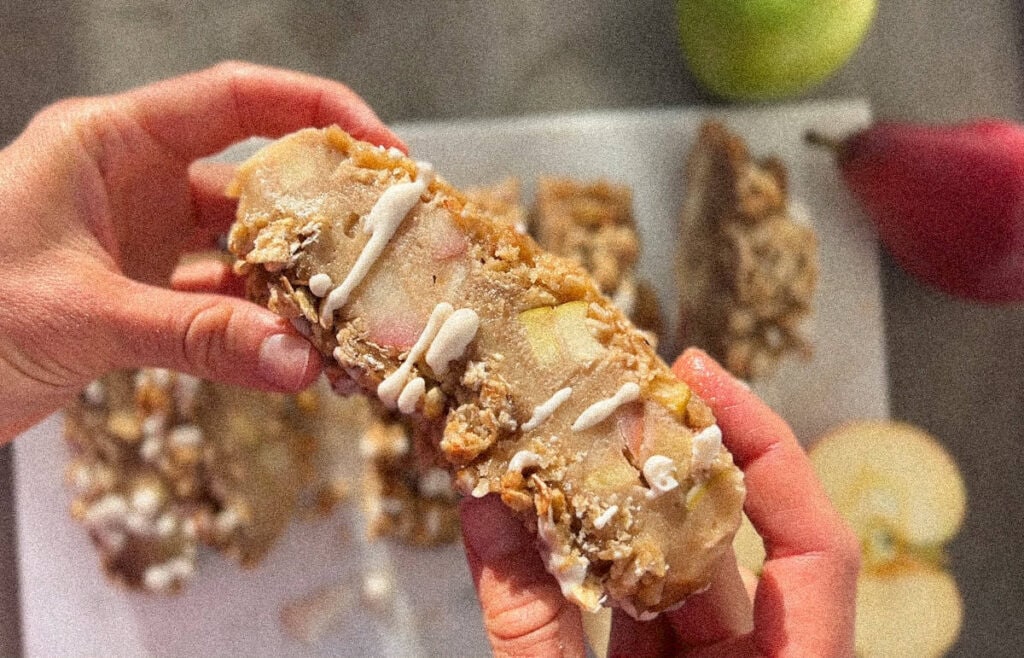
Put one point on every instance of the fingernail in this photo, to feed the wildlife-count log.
(283, 360)
(491, 529)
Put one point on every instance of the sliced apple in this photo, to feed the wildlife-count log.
(446, 240)
(891, 477)
(903, 495)
(608, 471)
(673, 395)
(393, 320)
(630, 422)
(914, 610)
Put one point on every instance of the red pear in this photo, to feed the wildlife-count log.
(948, 201)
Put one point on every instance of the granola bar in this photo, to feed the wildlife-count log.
(502, 200)
(408, 496)
(163, 463)
(592, 223)
(548, 395)
(748, 267)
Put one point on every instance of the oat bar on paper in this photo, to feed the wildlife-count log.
(748, 264)
(163, 463)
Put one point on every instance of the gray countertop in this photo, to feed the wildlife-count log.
(955, 368)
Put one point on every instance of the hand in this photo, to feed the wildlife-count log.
(803, 603)
(101, 196)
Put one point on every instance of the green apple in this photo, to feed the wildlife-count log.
(769, 49)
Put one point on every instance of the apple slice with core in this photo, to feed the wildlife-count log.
(904, 497)
(891, 477)
(911, 610)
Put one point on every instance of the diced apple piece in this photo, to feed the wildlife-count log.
(630, 421)
(560, 332)
(392, 319)
(570, 323)
(446, 240)
(892, 476)
(611, 475)
(674, 396)
(749, 546)
(913, 610)
(539, 324)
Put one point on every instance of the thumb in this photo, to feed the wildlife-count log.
(206, 335)
(523, 608)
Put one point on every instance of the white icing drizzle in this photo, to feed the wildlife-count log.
(381, 223)
(706, 445)
(482, 488)
(411, 394)
(601, 409)
(186, 435)
(389, 389)
(569, 570)
(523, 460)
(625, 296)
(452, 339)
(543, 411)
(320, 284)
(606, 516)
(659, 471)
(435, 483)
(95, 394)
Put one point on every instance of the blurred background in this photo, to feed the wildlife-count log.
(955, 368)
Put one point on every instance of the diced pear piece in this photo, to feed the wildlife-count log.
(893, 477)
(570, 323)
(910, 610)
(557, 332)
(611, 477)
(749, 546)
(539, 325)
(597, 626)
(673, 395)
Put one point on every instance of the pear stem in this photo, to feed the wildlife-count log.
(820, 139)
